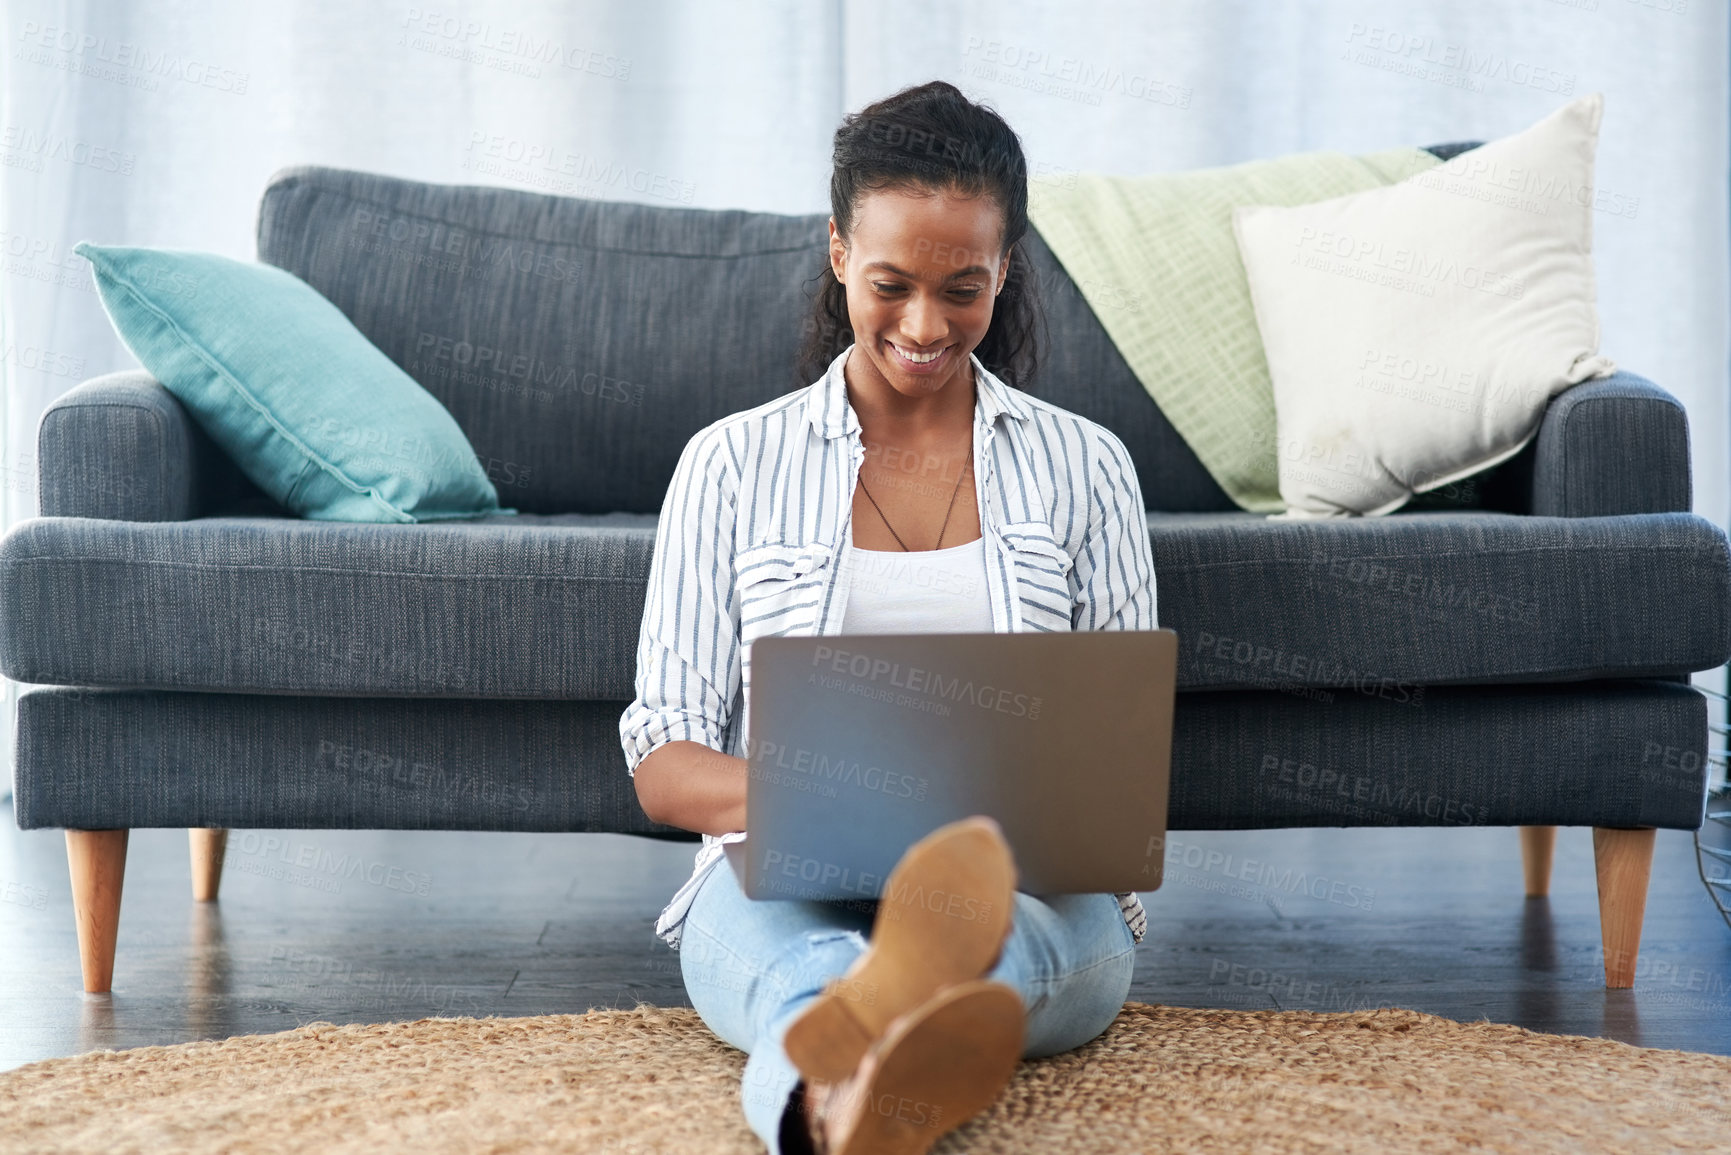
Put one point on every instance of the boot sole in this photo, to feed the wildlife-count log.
(937, 1068)
(944, 914)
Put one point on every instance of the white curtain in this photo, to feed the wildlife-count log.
(158, 122)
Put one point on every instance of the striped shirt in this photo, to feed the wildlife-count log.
(754, 541)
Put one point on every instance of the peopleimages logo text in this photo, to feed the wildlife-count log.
(765, 756)
(88, 48)
(384, 231)
(919, 680)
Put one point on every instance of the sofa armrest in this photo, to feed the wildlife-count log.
(120, 447)
(1611, 447)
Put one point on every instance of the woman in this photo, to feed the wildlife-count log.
(909, 489)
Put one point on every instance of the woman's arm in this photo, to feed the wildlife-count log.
(688, 785)
(688, 653)
(1115, 565)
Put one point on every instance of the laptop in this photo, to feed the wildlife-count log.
(861, 744)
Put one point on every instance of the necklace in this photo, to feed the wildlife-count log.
(959, 475)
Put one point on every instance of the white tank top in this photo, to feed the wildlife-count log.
(935, 591)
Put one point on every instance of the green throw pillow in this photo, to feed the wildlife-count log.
(1156, 259)
(308, 408)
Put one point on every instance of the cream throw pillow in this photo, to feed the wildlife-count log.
(1415, 333)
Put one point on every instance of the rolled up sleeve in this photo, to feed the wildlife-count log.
(1115, 565)
(688, 650)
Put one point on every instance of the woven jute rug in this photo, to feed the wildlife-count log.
(656, 1080)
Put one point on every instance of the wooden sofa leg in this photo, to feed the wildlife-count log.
(97, 862)
(1624, 859)
(1538, 847)
(207, 845)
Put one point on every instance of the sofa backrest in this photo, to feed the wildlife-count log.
(580, 343)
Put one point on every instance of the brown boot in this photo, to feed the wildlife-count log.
(942, 919)
(934, 1069)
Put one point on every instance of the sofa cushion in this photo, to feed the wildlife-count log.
(549, 606)
(580, 343)
(1617, 753)
(507, 606)
(1383, 606)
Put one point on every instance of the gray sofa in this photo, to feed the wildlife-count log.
(1512, 650)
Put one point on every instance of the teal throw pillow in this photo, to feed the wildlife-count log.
(308, 408)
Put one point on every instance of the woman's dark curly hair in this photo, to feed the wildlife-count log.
(931, 136)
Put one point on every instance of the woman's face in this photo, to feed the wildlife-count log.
(921, 271)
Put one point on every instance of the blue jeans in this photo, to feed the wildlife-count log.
(750, 966)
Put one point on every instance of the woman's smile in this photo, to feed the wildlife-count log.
(912, 360)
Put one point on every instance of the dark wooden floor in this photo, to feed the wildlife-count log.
(496, 924)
